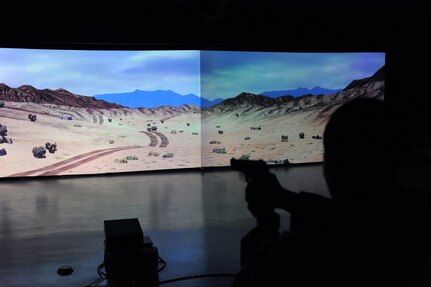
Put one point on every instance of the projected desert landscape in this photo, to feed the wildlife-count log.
(98, 141)
(277, 130)
(56, 132)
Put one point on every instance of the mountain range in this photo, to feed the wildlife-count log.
(27, 93)
(157, 98)
(152, 99)
(363, 87)
(300, 92)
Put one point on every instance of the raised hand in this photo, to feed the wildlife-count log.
(262, 194)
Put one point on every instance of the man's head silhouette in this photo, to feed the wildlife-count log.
(354, 151)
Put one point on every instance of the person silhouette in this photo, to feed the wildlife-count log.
(349, 239)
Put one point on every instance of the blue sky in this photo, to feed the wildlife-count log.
(227, 74)
(97, 72)
(217, 74)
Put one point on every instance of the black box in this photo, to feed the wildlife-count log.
(132, 264)
(129, 256)
(123, 234)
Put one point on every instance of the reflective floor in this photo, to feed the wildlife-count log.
(195, 218)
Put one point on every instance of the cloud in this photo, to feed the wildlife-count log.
(166, 67)
(96, 72)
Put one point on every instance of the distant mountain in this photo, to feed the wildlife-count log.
(27, 93)
(157, 98)
(300, 92)
(150, 99)
(208, 103)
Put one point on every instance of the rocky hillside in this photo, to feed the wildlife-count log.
(62, 97)
(368, 87)
(378, 76)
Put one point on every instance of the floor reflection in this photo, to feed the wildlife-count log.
(195, 218)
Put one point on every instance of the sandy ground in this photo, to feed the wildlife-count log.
(99, 141)
(87, 144)
(240, 139)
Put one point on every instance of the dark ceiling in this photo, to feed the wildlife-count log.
(214, 23)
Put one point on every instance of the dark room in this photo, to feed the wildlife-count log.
(221, 143)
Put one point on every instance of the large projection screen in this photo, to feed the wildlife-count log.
(76, 112)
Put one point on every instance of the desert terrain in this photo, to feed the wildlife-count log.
(254, 127)
(95, 137)
(117, 140)
(255, 138)
(98, 140)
